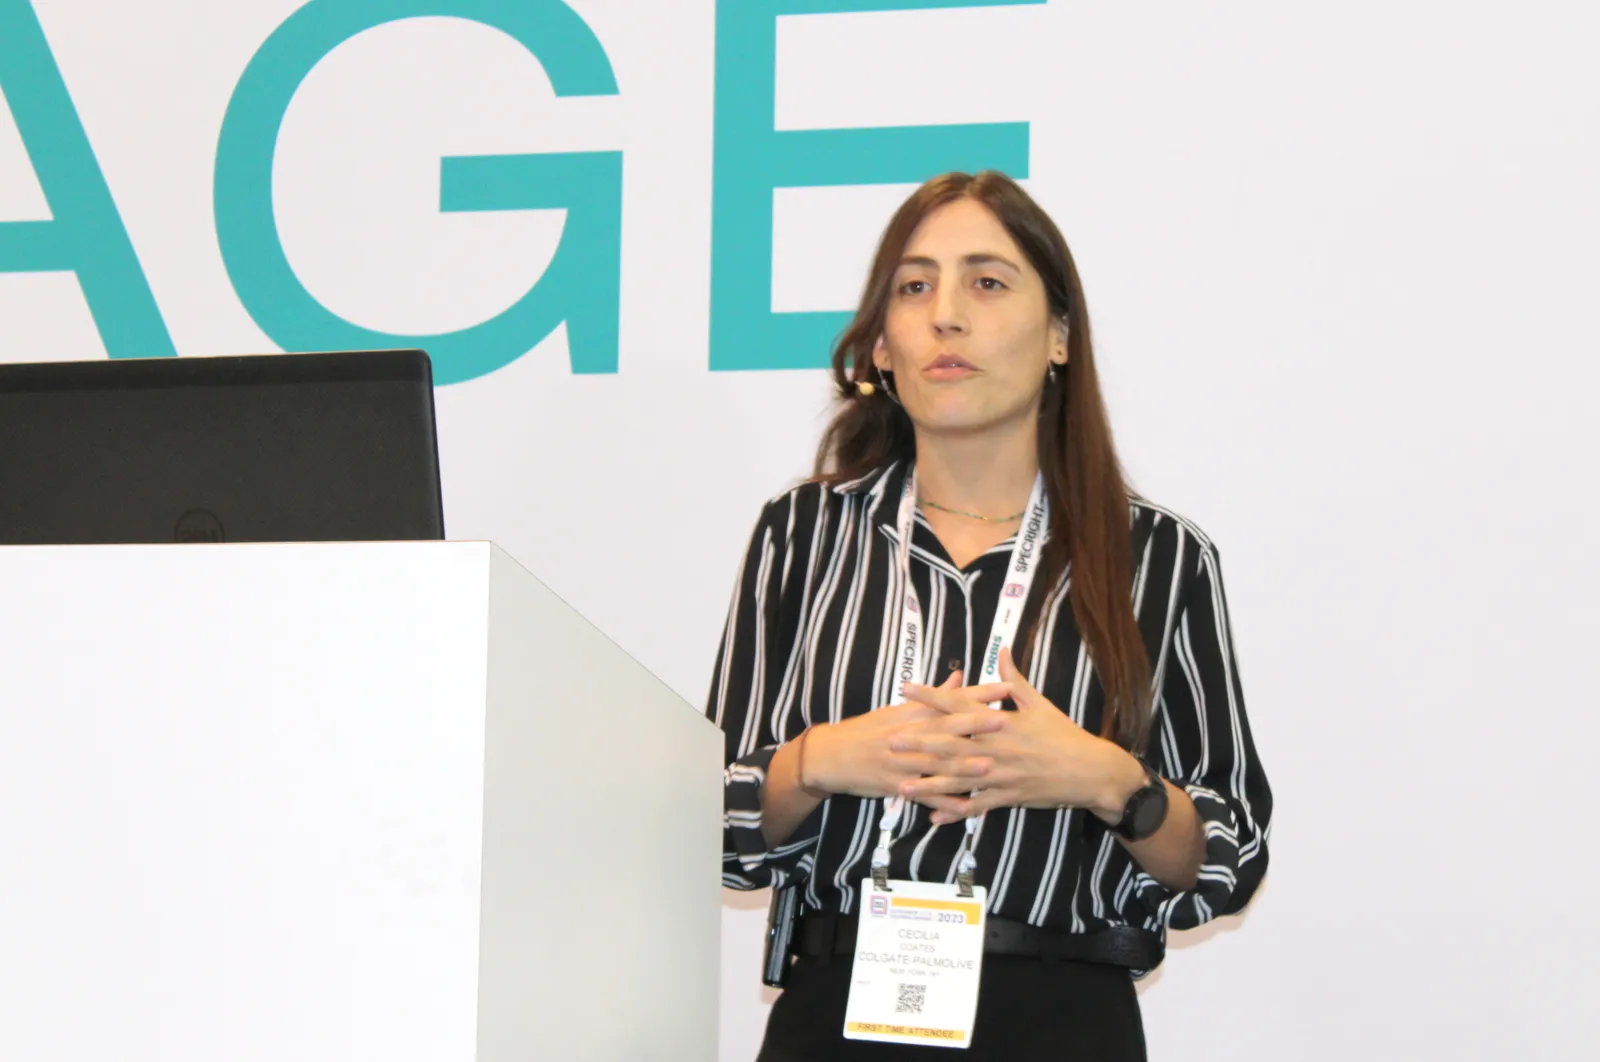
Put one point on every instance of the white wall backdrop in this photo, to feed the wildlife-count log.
(1342, 264)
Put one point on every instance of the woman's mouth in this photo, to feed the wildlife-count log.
(945, 367)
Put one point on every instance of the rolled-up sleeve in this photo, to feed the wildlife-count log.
(1201, 741)
(758, 643)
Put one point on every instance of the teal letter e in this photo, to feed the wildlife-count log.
(751, 159)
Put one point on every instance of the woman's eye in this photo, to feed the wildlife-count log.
(914, 287)
(991, 284)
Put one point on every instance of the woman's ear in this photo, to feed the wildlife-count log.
(880, 356)
(1058, 341)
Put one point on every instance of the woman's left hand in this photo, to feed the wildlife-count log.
(1041, 758)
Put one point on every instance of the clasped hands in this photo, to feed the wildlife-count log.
(945, 748)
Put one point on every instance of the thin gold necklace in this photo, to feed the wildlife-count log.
(974, 516)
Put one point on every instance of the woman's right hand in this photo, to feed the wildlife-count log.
(858, 757)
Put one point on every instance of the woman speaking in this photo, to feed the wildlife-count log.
(972, 878)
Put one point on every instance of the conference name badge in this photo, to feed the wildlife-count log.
(919, 953)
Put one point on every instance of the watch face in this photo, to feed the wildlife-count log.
(1149, 811)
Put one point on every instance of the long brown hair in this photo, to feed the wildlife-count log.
(1089, 502)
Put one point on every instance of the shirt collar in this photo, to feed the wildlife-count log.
(881, 488)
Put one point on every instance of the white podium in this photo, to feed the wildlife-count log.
(342, 802)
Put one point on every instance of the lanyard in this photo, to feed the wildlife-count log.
(910, 650)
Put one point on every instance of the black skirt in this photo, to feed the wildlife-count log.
(1029, 1010)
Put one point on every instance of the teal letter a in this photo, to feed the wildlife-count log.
(84, 234)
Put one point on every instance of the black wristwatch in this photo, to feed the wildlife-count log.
(1146, 809)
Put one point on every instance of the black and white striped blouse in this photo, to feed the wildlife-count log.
(810, 638)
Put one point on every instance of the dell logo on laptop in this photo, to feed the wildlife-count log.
(198, 525)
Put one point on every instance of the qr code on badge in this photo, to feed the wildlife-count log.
(910, 999)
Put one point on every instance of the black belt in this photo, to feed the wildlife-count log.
(1137, 949)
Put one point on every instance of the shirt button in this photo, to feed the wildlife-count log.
(952, 664)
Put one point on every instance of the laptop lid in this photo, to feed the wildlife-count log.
(266, 448)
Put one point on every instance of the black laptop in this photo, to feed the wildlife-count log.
(266, 448)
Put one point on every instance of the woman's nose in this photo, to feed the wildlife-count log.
(949, 315)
